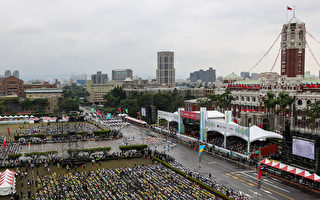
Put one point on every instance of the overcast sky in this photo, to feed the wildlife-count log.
(58, 38)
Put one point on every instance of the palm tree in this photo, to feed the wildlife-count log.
(270, 102)
(225, 99)
(284, 100)
(313, 113)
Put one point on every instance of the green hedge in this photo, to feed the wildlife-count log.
(102, 132)
(14, 156)
(133, 147)
(89, 150)
(40, 153)
(40, 135)
(223, 196)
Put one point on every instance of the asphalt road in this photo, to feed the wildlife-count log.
(232, 175)
(224, 171)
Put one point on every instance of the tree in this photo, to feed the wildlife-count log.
(270, 103)
(75, 91)
(163, 101)
(283, 101)
(224, 100)
(68, 104)
(204, 102)
(114, 97)
(189, 95)
(313, 114)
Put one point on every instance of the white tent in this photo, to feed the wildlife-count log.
(7, 182)
(257, 133)
(212, 114)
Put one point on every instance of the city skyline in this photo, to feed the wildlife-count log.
(101, 36)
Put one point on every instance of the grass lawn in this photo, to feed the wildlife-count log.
(32, 173)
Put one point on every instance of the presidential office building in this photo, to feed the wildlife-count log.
(248, 108)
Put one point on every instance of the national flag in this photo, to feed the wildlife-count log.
(139, 114)
(99, 113)
(201, 148)
(4, 143)
(260, 172)
(108, 115)
(119, 109)
(288, 8)
(8, 131)
(92, 109)
(126, 110)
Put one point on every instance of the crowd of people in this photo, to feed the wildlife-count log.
(140, 182)
(208, 180)
(55, 128)
(105, 122)
(11, 148)
(236, 144)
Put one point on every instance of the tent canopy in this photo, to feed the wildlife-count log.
(212, 114)
(291, 169)
(257, 133)
(135, 120)
(7, 182)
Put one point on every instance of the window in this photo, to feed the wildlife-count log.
(299, 102)
(242, 98)
(308, 102)
(299, 112)
(166, 59)
(253, 99)
(301, 35)
(248, 98)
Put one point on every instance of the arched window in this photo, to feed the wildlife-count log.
(301, 35)
(254, 99)
(242, 98)
(299, 102)
(308, 102)
(248, 98)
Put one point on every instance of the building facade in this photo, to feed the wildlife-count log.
(7, 73)
(12, 86)
(119, 75)
(205, 76)
(165, 70)
(38, 85)
(97, 91)
(43, 93)
(99, 78)
(16, 74)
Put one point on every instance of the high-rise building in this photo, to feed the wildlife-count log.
(119, 75)
(293, 43)
(205, 76)
(7, 73)
(245, 74)
(16, 74)
(165, 71)
(254, 76)
(99, 78)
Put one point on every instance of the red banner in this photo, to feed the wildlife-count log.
(190, 115)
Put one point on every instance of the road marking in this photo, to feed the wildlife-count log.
(272, 197)
(210, 163)
(267, 188)
(235, 177)
(266, 181)
(237, 172)
(266, 191)
(251, 184)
